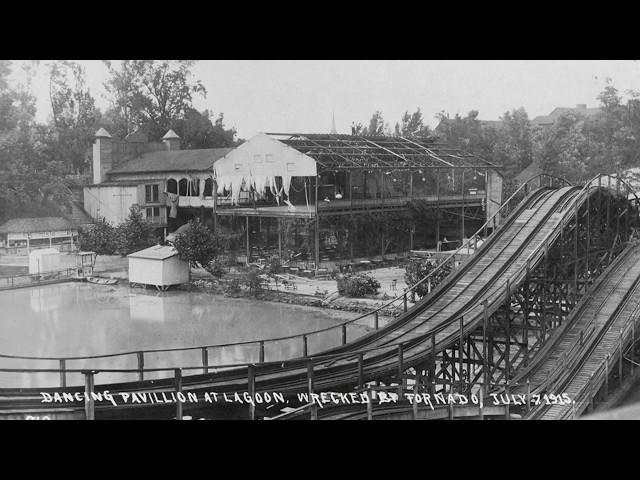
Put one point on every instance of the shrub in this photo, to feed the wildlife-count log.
(251, 279)
(274, 265)
(135, 233)
(216, 267)
(417, 269)
(357, 285)
(233, 286)
(197, 245)
(99, 237)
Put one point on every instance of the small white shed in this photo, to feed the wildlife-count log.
(159, 266)
(44, 260)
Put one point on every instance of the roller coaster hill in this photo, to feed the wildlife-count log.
(545, 310)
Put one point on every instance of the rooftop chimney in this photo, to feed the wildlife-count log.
(171, 140)
(102, 155)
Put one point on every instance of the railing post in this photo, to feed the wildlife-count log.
(507, 414)
(606, 376)
(360, 370)
(633, 340)
(528, 395)
(205, 359)
(178, 379)
(400, 370)
(485, 362)
(481, 399)
(305, 347)
(310, 382)
(620, 359)
(261, 355)
(460, 352)
(251, 389)
(369, 404)
(89, 406)
(432, 364)
(375, 321)
(344, 334)
(404, 301)
(140, 366)
(63, 373)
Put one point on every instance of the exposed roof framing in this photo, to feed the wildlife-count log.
(332, 151)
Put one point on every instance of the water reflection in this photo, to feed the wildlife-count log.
(77, 319)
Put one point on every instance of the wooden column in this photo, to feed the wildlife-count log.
(316, 239)
(462, 190)
(89, 406)
(214, 194)
(410, 184)
(279, 237)
(248, 249)
(437, 225)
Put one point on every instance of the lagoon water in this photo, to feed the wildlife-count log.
(80, 319)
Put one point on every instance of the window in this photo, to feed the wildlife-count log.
(208, 187)
(291, 167)
(257, 159)
(268, 157)
(151, 193)
(152, 213)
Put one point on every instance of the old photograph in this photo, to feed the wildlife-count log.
(319, 240)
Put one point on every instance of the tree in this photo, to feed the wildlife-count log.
(376, 127)
(150, 94)
(467, 133)
(197, 131)
(99, 237)
(412, 125)
(512, 142)
(197, 245)
(74, 115)
(417, 269)
(135, 233)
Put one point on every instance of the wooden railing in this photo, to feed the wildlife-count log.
(35, 279)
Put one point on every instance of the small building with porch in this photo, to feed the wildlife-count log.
(170, 186)
(19, 236)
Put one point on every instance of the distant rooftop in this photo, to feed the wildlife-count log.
(558, 112)
(39, 224)
(172, 161)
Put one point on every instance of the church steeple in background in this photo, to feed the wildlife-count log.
(333, 124)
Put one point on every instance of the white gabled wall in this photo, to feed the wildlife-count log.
(258, 161)
(110, 202)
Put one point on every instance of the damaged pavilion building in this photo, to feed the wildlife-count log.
(314, 199)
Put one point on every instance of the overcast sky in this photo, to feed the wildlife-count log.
(300, 96)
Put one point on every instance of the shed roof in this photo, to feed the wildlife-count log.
(157, 252)
(355, 151)
(39, 224)
(172, 161)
